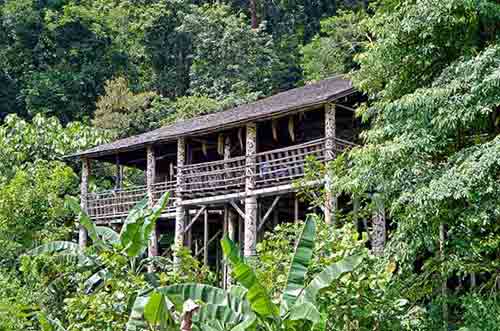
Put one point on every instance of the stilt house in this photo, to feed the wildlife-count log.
(228, 172)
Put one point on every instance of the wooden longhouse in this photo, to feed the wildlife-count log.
(230, 171)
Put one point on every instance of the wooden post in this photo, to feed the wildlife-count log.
(150, 180)
(379, 231)
(119, 174)
(189, 234)
(250, 201)
(330, 132)
(84, 191)
(232, 216)
(225, 227)
(180, 211)
(241, 233)
(205, 237)
(296, 207)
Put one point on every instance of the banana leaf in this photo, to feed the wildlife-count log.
(107, 234)
(65, 252)
(73, 204)
(327, 276)
(216, 305)
(304, 311)
(96, 281)
(179, 293)
(55, 247)
(260, 301)
(300, 262)
(139, 224)
(136, 320)
(157, 311)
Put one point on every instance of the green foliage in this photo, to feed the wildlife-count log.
(23, 142)
(363, 298)
(415, 40)
(125, 113)
(187, 107)
(298, 305)
(333, 51)
(218, 309)
(32, 207)
(229, 58)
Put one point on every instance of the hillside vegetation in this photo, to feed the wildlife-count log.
(77, 73)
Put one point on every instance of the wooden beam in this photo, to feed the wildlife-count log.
(274, 190)
(180, 210)
(202, 249)
(296, 207)
(237, 208)
(84, 192)
(346, 107)
(205, 238)
(250, 201)
(330, 132)
(150, 180)
(195, 218)
(269, 211)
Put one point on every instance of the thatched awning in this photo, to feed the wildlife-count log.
(289, 101)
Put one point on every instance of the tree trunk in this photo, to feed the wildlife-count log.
(444, 285)
(253, 14)
(379, 231)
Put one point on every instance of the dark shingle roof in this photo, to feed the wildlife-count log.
(294, 99)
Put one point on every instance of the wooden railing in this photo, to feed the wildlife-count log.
(282, 166)
(217, 177)
(116, 204)
(271, 168)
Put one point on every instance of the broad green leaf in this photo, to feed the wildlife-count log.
(107, 234)
(305, 311)
(96, 280)
(49, 324)
(300, 262)
(179, 293)
(139, 224)
(257, 295)
(327, 276)
(223, 314)
(73, 204)
(157, 310)
(65, 252)
(55, 247)
(136, 320)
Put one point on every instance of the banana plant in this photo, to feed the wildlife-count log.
(217, 310)
(132, 241)
(245, 307)
(297, 305)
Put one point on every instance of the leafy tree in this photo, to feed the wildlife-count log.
(229, 58)
(191, 106)
(23, 142)
(415, 41)
(124, 113)
(332, 52)
(32, 207)
(431, 150)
